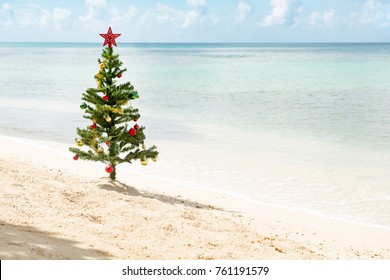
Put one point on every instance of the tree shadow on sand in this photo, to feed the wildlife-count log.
(119, 187)
(19, 242)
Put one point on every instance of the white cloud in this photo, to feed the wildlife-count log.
(283, 12)
(100, 14)
(160, 14)
(6, 7)
(96, 13)
(45, 18)
(123, 17)
(163, 14)
(96, 3)
(243, 9)
(197, 2)
(278, 14)
(7, 17)
(60, 16)
(27, 19)
(131, 13)
(325, 19)
(372, 4)
(372, 12)
(213, 19)
(189, 18)
(33, 17)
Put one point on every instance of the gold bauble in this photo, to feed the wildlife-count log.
(143, 146)
(144, 161)
(154, 159)
(80, 142)
(102, 66)
(116, 110)
(108, 118)
(100, 150)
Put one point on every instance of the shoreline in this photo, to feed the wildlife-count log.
(244, 198)
(326, 237)
(234, 195)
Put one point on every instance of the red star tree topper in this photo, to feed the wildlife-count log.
(109, 38)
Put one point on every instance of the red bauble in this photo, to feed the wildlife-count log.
(119, 75)
(107, 143)
(76, 157)
(109, 168)
(93, 126)
(105, 97)
(136, 126)
(132, 132)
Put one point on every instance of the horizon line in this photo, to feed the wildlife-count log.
(175, 42)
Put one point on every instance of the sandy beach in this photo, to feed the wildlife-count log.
(55, 208)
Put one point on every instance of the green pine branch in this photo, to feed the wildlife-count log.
(108, 107)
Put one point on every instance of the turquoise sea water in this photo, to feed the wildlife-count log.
(299, 125)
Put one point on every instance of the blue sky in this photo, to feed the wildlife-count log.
(197, 20)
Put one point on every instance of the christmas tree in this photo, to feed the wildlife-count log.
(114, 137)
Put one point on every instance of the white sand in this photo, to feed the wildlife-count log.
(55, 208)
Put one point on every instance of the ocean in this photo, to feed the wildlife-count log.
(304, 126)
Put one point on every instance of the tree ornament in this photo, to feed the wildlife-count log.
(134, 95)
(76, 157)
(144, 161)
(79, 142)
(109, 38)
(143, 146)
(116, 110)
(93, 126)
(107, 143)
(83, 106)
(119, 75)
(108, 118)
(109, 168)
(132, 132)
(102, 66)
(136, 127)
(135, 119)
(155, 159)
(100, 150)
(105, 97)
